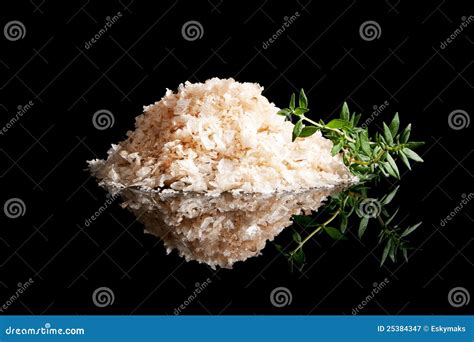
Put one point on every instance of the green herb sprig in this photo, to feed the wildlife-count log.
(372, 158)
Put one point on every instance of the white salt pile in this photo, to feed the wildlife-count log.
(218, 136)
(213, 139)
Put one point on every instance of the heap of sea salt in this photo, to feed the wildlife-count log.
(213, 140)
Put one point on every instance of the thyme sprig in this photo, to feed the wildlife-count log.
(372, 158)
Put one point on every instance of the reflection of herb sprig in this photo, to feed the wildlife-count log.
(371, 159)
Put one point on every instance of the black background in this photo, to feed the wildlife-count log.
(44, 153)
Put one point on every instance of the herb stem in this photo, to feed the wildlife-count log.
(328, 128)
(378, 157)
(321, 226)
(373, 161)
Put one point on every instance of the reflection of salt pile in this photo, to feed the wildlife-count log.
(219, 230)
(212, 138)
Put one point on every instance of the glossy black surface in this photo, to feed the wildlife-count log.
(44, 153)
